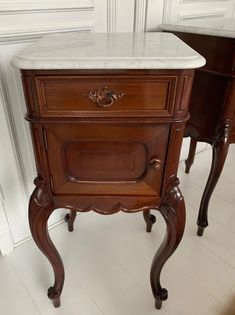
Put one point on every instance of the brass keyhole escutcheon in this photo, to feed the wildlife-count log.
(155, 162)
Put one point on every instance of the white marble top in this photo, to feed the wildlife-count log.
(79, 50)
(223, 27)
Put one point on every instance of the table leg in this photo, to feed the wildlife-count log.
(40, 209)
(220, 150)
(191, 155)
(149, 219)
(173, 211)
(70, 218)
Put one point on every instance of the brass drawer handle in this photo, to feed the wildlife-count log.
(155, 163)
(104, 97)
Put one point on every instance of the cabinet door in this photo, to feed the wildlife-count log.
(103, 159)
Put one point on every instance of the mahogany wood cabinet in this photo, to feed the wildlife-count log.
(212, 108)
(108, 138)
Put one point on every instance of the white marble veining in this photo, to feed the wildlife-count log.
(78, 50)
(223, 27)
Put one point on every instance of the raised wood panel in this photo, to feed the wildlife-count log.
(117, 158)
(100, 161)
(176, 138)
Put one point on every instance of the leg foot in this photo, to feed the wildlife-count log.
(220, 150)
(54, 296)
(56, 303)
(191, 155)
(173, 211)
(200, 230)
(150, 219)
(70, 218)
(158, 300)
(158, 304)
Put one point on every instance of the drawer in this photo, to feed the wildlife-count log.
(81, 96)
(106, 159)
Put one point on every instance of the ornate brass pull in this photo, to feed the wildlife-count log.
(104, 97)
(155, 163)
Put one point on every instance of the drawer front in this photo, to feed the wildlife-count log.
(106, 160)
(106, 95)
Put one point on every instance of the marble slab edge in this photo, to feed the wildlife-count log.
(151, 63)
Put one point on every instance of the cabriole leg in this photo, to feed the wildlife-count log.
(173, 211)
(40, 209)
(220, 150)
(191, 155)
(70, 218)
(149, 219)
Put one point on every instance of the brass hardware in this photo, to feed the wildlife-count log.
(104, 97)
(155, 163)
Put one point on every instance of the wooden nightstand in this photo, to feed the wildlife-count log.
(212, 105)
(107, 114)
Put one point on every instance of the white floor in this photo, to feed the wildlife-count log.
(107, 261)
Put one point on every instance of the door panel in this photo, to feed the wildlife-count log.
(105, 161)
(102, 159)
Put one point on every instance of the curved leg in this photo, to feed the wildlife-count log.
(220, 150)
(70, 218)
(191, 155)
(40, 209)
(173, 211)
(149, 219)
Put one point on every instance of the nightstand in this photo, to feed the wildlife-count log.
(107, 114)
(212, 105)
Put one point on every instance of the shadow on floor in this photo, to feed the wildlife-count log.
(229, 309)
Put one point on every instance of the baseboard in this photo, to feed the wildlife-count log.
(29, 238)
(6, 244)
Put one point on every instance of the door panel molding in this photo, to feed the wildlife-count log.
(178, 10)
(111, 16)
(140, 15)
(29, 7)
